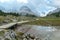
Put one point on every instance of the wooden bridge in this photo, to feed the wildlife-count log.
(12, 24)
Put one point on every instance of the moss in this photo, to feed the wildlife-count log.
(20, 33)
(7, 39)
(1, 33)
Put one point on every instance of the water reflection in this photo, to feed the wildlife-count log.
(44, 28)
(43, 32)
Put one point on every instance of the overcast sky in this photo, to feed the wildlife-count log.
(38, 5)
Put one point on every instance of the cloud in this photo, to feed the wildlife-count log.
(8, 4)
(22, 1)
(54, 3)
(2, 1)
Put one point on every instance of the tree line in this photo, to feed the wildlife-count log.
(10, 13)
(15, 14)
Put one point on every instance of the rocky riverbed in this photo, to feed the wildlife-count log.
(31, 32)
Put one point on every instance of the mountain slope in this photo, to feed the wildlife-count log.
(55, 13)
(25, 10)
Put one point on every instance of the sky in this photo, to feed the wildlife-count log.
(40, 7)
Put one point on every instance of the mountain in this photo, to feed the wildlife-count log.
(55, 13)
(24, 10)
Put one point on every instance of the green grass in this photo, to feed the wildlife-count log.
(46, 21)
